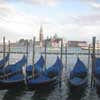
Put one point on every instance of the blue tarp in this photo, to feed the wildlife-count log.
(56, 68)
(17, 66)
(16, 77)
(79, 67)
(97, 62)
(97, 69)
(79, 70)
(38, 66)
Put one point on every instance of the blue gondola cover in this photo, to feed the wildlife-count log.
(16, 77)
(79, 69)
(97, 69)
(38, 66)
(78, 76)
(56, 68)
(97, 62)
(17, 66)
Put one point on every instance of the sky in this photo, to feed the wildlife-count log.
(70, 19)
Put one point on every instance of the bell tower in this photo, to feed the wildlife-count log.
(41, 36)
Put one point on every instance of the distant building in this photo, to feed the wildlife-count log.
(77, 43)
(56, 42)
(53, 41)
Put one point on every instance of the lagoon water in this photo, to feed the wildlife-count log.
(57, 93)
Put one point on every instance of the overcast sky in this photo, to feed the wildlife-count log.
(70, 19)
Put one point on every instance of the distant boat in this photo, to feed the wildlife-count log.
(78, 76)
(17, 79)
(85, 48)
(53, 48)
(48, 79)
(97, 47)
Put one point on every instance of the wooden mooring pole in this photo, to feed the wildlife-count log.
(93, 63)
(89, 55)
(4, 47)
(24, 68)
(45, 53)
(66, 57)
(61, 57)
(9, 50)
(61, 48)
(33, 58)
(26, 54)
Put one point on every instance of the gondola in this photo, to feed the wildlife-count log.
(78, 76)
(97, 74)
(12, 82)
(38, 67)
(48, 79)
(17, 80)
(13, 68)
(4, 61)
(16, 66)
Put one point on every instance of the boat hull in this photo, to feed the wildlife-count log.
(11, 84)
(43, 85)
(79, 85)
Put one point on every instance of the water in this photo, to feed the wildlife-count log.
(63, 93)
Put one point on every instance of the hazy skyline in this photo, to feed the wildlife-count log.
(70, 19)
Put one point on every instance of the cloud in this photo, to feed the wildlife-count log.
(12, 23)
(93, 3)
(91, 19)
(43, 2)
(38, 2)
(6, 9)
(16, 24)
(81, 27)
(19, 24)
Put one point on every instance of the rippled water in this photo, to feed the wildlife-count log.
(63, 93)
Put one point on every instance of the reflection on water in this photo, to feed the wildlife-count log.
(76, 94)
(42, 94)
(13, 94)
